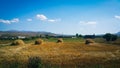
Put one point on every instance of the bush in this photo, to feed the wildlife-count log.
(18, 42)
(110, 37)
(60, 40)
(38, 42)
(88, 41)
(34, 62)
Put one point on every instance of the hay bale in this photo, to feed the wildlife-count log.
(89, 41)
(60, 40)
(18, 42)
(38, 42)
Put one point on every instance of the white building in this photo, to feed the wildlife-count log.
(21, 37)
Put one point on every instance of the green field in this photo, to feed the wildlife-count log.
(72, 53)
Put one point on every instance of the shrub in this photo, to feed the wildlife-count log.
(34, 62)
(110, 37)
(38, 42)
(88, 41)
(114, 37)
(18, 42)
(60, 40)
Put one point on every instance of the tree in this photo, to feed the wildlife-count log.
(80, 35)
(77, 35)
(40, 36)
(89, 36)
(110, 37)
(114, 37)
(107, 36)
(47, 36)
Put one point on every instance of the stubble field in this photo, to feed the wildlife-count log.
(69, 54)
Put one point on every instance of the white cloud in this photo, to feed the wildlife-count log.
(54, 20)
(51, 20)
(117, 17)
(91, 23)
(44, 18)
(88, 23)
(29, 19)
(15, 20)
(41, 17)
(5, 21)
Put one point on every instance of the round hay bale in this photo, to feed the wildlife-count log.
(38, 42)
(18, 42)
(60, 40)
(89, 41)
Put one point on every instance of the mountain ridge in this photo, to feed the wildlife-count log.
(35, 33)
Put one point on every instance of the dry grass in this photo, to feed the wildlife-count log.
(18, 42)
(39, 42)
(68, 54)
(60, 40)
(89, 41)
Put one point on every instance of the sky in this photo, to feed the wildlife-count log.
(61, 16)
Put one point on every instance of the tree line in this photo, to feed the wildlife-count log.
(108, 36)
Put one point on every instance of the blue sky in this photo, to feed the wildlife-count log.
(61, 16)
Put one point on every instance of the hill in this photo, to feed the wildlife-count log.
(25, 33)
(118, 33)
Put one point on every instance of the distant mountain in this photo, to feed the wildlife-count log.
(118, 33)
(36, 33)
(25, 33)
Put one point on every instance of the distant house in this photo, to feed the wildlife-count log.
(73, 37)
(21, 37)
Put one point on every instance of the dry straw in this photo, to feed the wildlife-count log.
(18, 42)
(38, 42)
(89, 41)
(60, 40)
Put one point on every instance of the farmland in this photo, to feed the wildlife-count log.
(59, 33)
(72, 53)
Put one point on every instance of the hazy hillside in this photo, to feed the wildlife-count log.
(37, 33)
(118, 33)
(25, 33)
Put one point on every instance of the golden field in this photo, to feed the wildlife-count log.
(62, 55)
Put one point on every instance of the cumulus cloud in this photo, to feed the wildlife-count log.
(29, 19)
(91, 23)
(54, 20)
(88, 23)
(51, 20)
(41, 17)
(117, 17)
(15, 20)
(44, 18)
